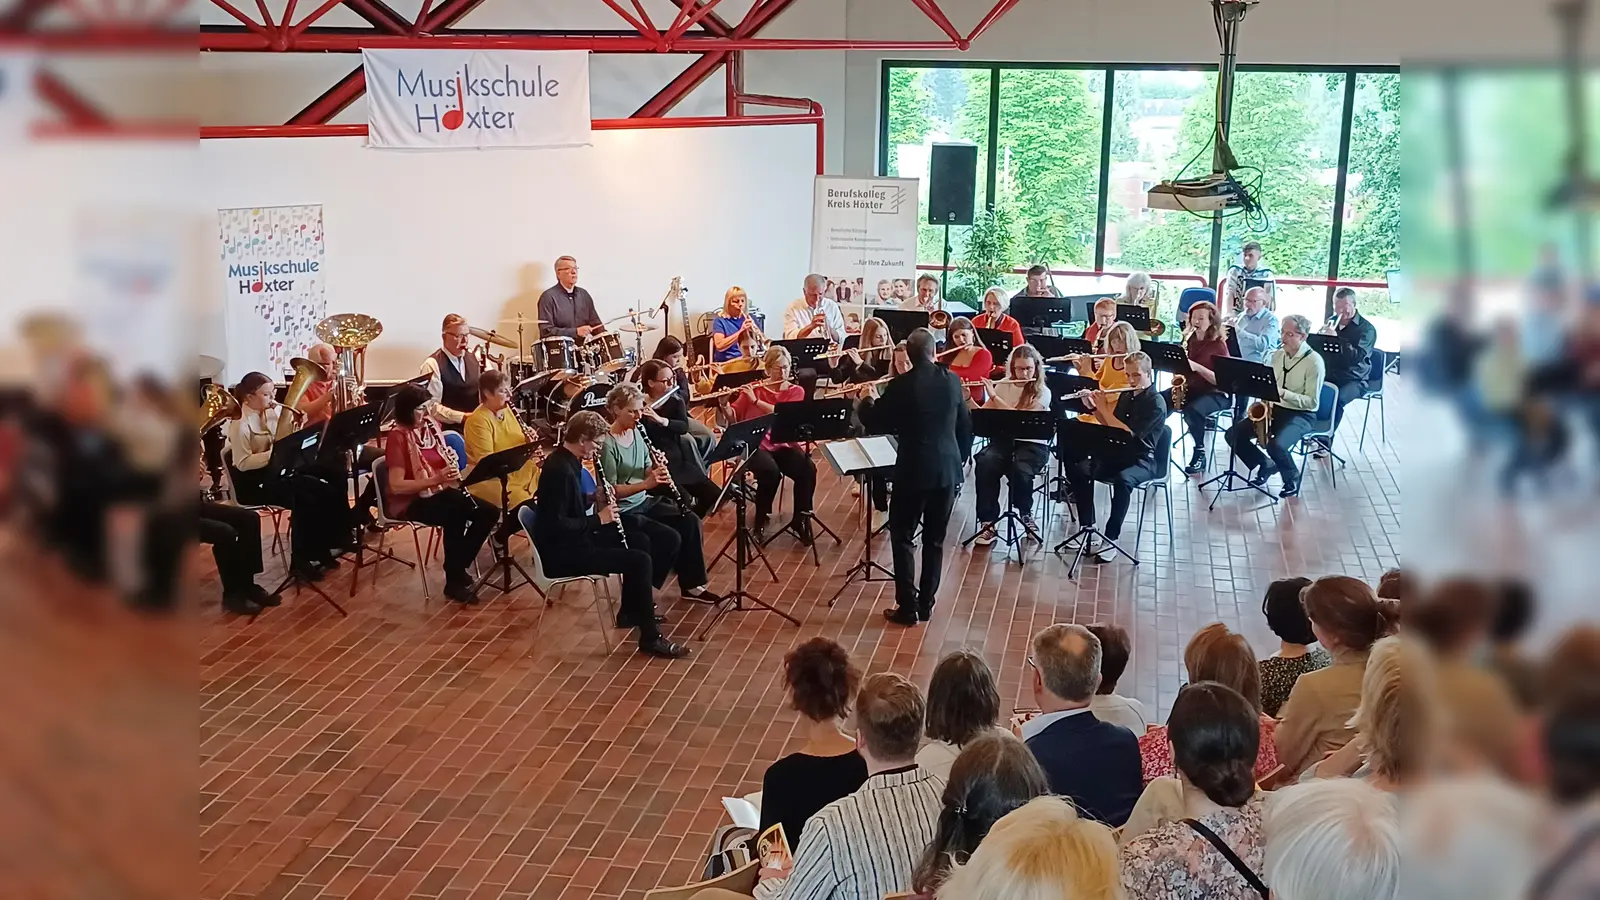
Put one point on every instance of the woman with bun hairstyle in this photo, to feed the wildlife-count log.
(1347, 618)
(1214, 737)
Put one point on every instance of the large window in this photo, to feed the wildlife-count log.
(1075, 192)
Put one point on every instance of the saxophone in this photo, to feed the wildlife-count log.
(1260, 415)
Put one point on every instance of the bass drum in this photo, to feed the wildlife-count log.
(563, 398)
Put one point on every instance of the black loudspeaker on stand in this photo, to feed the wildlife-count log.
(952, 185)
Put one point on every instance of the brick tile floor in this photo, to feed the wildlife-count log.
(415, 749)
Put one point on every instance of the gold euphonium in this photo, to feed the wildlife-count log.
(306, 373)
(349, 334)
(1260, 415)
(216, 407)
(938, 320)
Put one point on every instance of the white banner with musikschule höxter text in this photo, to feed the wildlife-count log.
(451, 99)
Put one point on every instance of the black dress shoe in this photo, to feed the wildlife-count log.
(924, 613)
(1290, 490)
(704, 596)
(1197, 464)
(240, 605)
(259, 594)
(665, 649)
(308, 571)
(461, 593)
(901, 617)
(802, 527)
(1262, 474)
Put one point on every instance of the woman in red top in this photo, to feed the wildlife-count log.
(1223, 656)
(773, 461)
(1204, 341)
(968, 357)
(994, 316)
(425, 486)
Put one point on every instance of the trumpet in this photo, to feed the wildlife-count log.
(1330, 326)
(938, 320)
(1260, 415)
(1157, 328)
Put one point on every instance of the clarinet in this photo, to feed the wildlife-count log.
(659, 459)
(609, 495)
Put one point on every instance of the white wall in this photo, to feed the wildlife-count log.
(413, 236)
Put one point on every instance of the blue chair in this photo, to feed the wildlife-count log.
(1190, 297)
(458, 443)
(1374, 391)
(544, 584)
(1320, 438)
(1156, 483)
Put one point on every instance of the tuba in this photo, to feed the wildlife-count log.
(306, 373)
(349, 334)
(216, 407)
(1260, 415)
(938, 320)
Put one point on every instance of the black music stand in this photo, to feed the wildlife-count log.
(739, 442)
(1330, 347)
(500, 466)
(809, 422)
(902, 322)
(1243, 379)
(1134, 314)
(291, 456)
(804, 353)
(1013, 425)
(1097, 442)
(1169, 357)
(861, 466)
(1041, 312)
(998, 342)
(345, 434)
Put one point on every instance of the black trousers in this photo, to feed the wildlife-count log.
(770, 466)
(603, 554)
(235, 538)
(319, 510)
(465, 522)
(672, 537)
(1081, 477)
(1288, 427)
(1020, 462)
(1196, 410)
(878, 487)
(1349, 391)
(907, 508)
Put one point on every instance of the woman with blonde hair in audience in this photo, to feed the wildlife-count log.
(1332, 840)
(1214, 740)
(1396, 723)
(821, 682)
(995, 774)
(963, 705)
(1348, 618)
(1215, 654)
(1043, 851)
(1454, 620)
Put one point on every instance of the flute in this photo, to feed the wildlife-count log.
(727, 392)
(983, 382)
(1121, 390)
(1072, 356)
(951, 351)
(843, 390)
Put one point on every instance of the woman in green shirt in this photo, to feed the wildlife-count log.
(655, 524)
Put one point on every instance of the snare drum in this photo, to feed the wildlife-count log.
(627, 362)
(556, 353)
(571, 395)
(521, 368)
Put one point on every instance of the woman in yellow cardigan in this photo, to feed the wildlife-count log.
(493, 427)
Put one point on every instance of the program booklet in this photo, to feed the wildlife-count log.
(773, 848)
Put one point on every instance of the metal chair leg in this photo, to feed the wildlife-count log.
(422, 566)
(1167, 492)
(1138, 529)
(1366, 414)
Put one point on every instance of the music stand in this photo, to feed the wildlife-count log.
(500, 466)
(739, 442)
(810, 422)
(859, 458)
(291, 455)
(1166, 356)
(1012, 425)
(1243, 379)
(804, 353)
(1041, 312)
(1098, 442)
(345, 434)
(902, 322)
(999, 343)
(1330, 347)
(1134, 314)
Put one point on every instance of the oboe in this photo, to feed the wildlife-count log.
(608, 493)
(659, 460)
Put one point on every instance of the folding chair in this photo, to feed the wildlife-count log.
(1156, 483)
(380, 472)
(1321, 435)
(544, 584)
(1374, 391)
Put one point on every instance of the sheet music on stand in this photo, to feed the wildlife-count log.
(853, 455)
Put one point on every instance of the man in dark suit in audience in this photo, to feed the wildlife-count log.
(1094, 763)
(926, 408)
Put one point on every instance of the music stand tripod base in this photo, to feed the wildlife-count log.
(1242, 378)
(864, 568)
(1084, 536)
(289, 455)
(499, 466)
(735, 600)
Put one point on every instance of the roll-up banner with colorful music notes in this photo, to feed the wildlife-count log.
(272, 267)
(453, 99)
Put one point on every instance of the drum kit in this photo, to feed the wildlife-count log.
(555, 377)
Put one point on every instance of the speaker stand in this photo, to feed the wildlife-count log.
(944, 268)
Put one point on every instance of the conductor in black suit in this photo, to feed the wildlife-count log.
(926, 409)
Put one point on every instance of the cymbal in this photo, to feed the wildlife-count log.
(522, 320)
(633, 329)
(493, 337)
